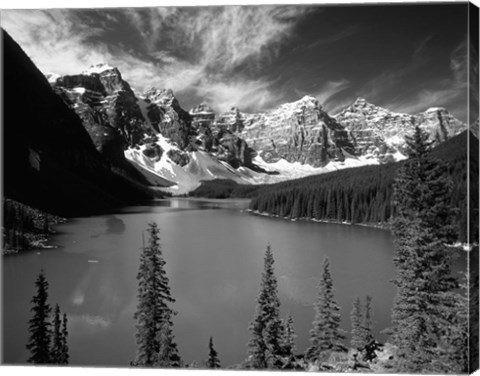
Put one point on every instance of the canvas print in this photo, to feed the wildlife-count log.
(251, 187)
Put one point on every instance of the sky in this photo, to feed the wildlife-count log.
(404, 57)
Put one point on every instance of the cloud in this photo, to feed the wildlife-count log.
(202, 49)
(330, 89)
(345, 33)
(450, 91)
(251, 95)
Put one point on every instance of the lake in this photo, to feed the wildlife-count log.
(214, 253)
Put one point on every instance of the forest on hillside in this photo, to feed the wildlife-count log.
(25, 227)
(359, 195)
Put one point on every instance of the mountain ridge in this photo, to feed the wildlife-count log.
(166, 143)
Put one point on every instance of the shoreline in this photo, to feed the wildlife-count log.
(385, 226)
(457, 245)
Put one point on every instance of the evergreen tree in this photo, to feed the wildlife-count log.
(421, 229)
(288, 337)
(39, 328)
(368, 322)
(64, 355)
(264, 346)
(57, 339)
(357, 320)
(154, 337)
(213, 361)
(326, 335)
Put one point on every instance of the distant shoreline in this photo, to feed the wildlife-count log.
(305, 219)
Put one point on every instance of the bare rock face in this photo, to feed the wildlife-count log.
(178, 157)
(233, 150)
(231, 121)
(170, 119)
(218, 135)
(107, 140)
(107, 106)
(203, 119)
(153, 151)
(297, 132)
(380, 133)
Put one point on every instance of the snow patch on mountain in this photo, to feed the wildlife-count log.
(99, 68)
(203, 166)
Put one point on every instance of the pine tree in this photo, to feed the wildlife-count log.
(64, 354)
(39, 325)
(264, 346)
(288, 337)
(367, 321)
(326, 335)
(213, 361)
(57, 339)
(358, 334)
(421, 229)
(154, 337)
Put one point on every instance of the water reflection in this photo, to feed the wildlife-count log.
(115, 226)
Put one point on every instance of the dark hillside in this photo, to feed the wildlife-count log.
(49, 160)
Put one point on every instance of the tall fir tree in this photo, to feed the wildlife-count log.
(154, 337)
(57, 340)
(368, 321)
(357, 320)
(326, 335)
(39, 328)
(212, 361)
(421, 229)
(64, 353)
(264, 348)
(288, 337)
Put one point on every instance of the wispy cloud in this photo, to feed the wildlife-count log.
(193, 48)
(450, 91)
(345, 33)
(327, 91)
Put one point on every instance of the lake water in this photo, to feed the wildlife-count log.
(214, 254)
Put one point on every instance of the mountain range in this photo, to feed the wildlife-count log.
(150, 140)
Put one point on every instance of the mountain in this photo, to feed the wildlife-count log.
(303, 132)
(380, 133)
(176, 149)
(150, 130)
(50, 161)
(107, 107)
(297, 132)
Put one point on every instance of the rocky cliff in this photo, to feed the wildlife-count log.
(297, 132)
(219, 135)
(303, 132)
(380, 133)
